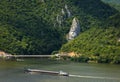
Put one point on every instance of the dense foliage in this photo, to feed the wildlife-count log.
(98, 43)
(24, 31)
(113, 3)
(32, 27)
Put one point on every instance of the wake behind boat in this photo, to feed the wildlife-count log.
(60, 73)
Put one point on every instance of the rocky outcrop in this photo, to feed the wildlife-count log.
(63, 11)
(62, 16)
(59, 19)
(74, 30)
(68, 11)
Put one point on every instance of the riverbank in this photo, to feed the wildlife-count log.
(64, 57)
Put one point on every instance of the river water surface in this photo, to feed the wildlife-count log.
(12, 71)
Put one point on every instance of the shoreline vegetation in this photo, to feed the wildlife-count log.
(72, 56)
(91, 58)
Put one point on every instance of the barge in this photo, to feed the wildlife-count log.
(60, 73)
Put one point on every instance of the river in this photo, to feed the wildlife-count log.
(13, 71)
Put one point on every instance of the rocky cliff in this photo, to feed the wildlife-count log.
(74, 30)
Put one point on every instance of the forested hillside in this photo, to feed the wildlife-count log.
(40, 26)
(98, 43)
(113, 3)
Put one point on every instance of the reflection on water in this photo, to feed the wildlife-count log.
(12, 71)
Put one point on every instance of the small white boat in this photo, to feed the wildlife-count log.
(60, 73)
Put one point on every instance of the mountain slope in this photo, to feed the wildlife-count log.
(113, 3)
(99, 44)
(31, 34)
(40, 26)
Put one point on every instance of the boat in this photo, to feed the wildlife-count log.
(60, 73)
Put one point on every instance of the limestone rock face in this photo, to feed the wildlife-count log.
(62, 16)
(74, 30)
(59, 19)
(68, 11)
(62, 11)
